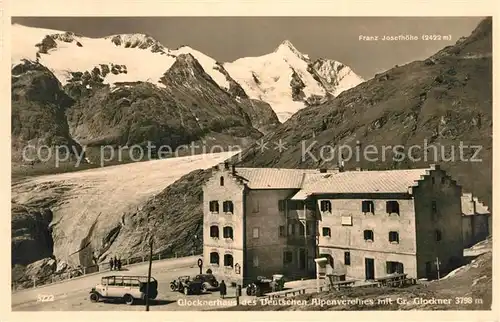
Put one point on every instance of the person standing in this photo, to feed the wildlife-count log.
(115, 262)
(111, 263)
(222, 289)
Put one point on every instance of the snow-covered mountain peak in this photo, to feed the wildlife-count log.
(286, 47)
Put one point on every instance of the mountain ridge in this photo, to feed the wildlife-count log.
(54, 48)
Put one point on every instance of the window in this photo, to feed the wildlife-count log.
(228, 260)
(255, 232)
(214, 258)
(282, 231)
(227, 206)
(255, 206)
(368, 234)
(302, 229)
(438, 235)
(214, 206)
(347, 258)
(325, 205)
(393, 237)
(228, 232)
(281, 205)
(111, 280)
(296, 205)
(302, 258)
(119, 281)
(214, 231)
(368, 206)
(290, 229)
(287, 257)
(392, 207)
(327, 232)
(394, 267)
(309, 228)
(255, 261)
(221, 181)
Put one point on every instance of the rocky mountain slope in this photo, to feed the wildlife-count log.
(436, 105)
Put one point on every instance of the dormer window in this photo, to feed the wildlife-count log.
(221, 181)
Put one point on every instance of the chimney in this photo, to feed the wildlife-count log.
(341, 163)
(226, 165)
(233, 169)
(322, 170)
(359, 169)
(358, 150)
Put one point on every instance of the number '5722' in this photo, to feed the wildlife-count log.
(45, 298)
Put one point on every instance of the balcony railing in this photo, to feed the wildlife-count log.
(301, 240)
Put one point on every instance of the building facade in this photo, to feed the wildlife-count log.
(476, 220)
(261, 221)
(248, 229)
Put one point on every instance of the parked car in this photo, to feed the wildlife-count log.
(263, 285)
(128, 288)
(209, 282)
(186, 285)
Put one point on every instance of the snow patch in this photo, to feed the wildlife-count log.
(478, 279)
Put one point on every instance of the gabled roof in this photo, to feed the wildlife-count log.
(274, 178)
(387, 181)
(480, 207)
(472, 206)
(467, 204)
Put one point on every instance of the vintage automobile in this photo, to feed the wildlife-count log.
(127, 288)
(263, 285)
(187, 285)
(209, 282)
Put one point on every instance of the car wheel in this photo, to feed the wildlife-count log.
(249, 290)
(129, 300)
(172, 287)
(94, 297)
(186, 290)
(204, 288)
(216, 284)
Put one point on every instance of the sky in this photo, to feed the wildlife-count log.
(229, 38)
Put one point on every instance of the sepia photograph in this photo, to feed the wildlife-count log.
(257, 163)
